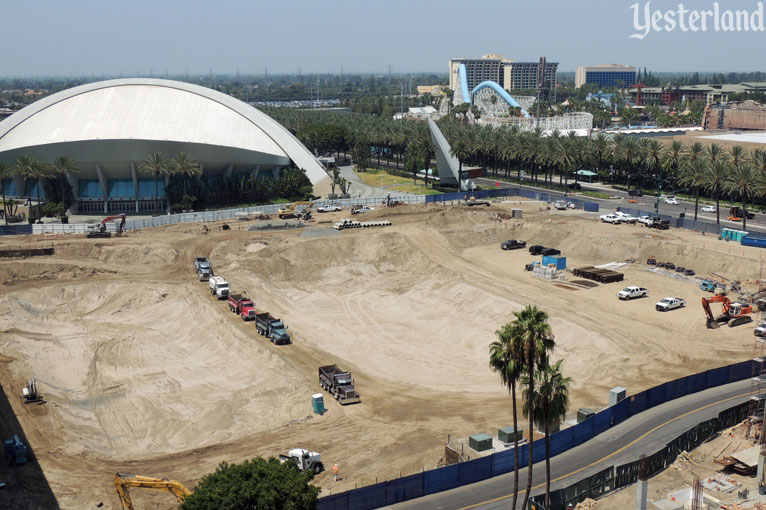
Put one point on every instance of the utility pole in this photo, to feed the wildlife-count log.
(401, 100)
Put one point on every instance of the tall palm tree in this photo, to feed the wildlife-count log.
(715, 152)
(506, 357)
(534, 333)
(185, 165)
(693, 174)
(551, 401)
(156, 164)
(38, 172)
(25, 167)
(5, 173)
(745, 182)
(714, 180)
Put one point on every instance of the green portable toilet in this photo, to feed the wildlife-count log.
(480, 442)
(317, 402)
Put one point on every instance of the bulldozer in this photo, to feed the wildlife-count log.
(123, 482)
(733, 314)
(291, 211)
(30, 394)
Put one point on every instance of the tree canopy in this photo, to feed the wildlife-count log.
(255, 484)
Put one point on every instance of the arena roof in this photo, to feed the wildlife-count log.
(152, 110)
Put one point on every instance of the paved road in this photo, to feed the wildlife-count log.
(644, 433)
(645, 203)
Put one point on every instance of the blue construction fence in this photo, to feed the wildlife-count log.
(616, 477)
(543, 196)
(464, 473)
(15, 230)
(687, 223)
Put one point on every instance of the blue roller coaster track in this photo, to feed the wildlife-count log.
(468, 95)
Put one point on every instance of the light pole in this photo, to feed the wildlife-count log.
(659, 185)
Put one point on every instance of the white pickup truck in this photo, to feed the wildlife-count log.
(625, 217)
(670, 303)
(611, 218)
(304, 459)
(219, 287)
(632, 292)
(760, 329)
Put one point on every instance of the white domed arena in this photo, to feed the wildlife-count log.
(109, 128)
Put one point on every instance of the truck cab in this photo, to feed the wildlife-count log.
(279, 334)
(219, 287)
(304, 459)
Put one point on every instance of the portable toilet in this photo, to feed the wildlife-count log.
(317, 402)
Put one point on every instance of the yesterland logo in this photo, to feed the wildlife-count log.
(715, 19)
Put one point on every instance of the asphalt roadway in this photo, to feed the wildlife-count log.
(644, 433)
(644, 203)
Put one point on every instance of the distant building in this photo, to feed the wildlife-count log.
(605, 75)
(708, 93)
(509, 74)
(434, 90)
(745, 115)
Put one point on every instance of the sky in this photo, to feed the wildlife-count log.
(139, 37)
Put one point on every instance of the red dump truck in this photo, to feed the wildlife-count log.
(243, 306)
(339, 383)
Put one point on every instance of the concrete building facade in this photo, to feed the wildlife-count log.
(509, 74)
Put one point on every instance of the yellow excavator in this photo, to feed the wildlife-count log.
(291, 211)
(123, 482)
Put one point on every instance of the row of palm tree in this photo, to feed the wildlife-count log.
(156, 164)
(521, 357)
(710, 171)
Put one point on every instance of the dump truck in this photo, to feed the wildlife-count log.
(219, 287)
(242, 306)
(339, 383)
(304, 459)
(271, 327)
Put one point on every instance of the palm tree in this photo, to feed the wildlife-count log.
(550, 407)
(506, 357)
(25, 167)
(714, 180)
(156, 164)
(5, 173)
(461, 151)
(38, 171)
(534, 333)
(693, 175)
(185, 165)
(744, 181)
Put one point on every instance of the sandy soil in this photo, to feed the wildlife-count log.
(145, 372)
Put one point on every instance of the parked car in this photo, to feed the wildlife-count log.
(670, 303)
(513, 244)
(651, 261)
(550, 252)
(680, 269)
(536, 249)
(560, 205)
(669, 265)
(361, 209)
(328, 208)
(625, 217)
(610, 218)
(760, 329)
(632, 292)
(644, 219)
(689, 272)
(708, 209)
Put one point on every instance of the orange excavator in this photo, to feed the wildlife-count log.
(733, 314)
(123, 482)
(100, 231)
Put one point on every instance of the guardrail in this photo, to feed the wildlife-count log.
(464, 473)
(687, 223)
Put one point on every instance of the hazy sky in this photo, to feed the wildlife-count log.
(79, 37)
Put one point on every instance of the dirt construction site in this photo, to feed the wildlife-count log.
(144, 372)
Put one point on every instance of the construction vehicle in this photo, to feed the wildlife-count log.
(304, 459)
(29, 392)
(272, 328)
(242, 305)
(219, 287)
(713, 286)
(733, 314)
(16, 452)
(100, 230)
(390, 203)
(291, 211)
(123, 482)
(736, 213)
(339, 383)
(203, 268)
(470, 202)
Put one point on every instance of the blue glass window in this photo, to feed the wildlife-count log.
(9, 187)
(146, 187)
(89, 188)
(120, 188)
